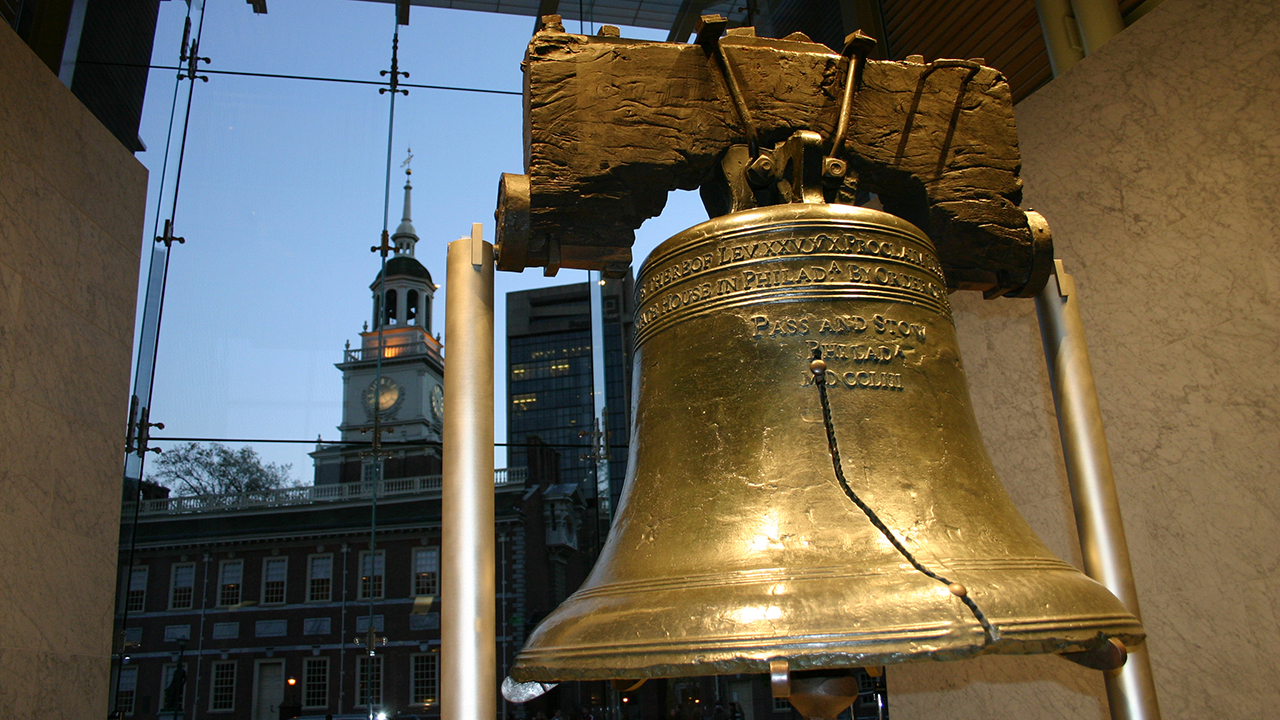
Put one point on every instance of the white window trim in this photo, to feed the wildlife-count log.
(146, 578)
(133, 699)
(382, 590)
(413, 569)
(276, 558)
(413, 695)
(173, 575)
(310, 559)
(166, 676)
(213, 673)
(377, 660)
(221, 577)
(306, 679)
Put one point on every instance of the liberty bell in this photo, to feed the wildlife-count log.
(807, 489)
(737, 544)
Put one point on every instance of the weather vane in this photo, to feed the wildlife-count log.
(408, 170)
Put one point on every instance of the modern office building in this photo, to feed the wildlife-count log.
(549, 377)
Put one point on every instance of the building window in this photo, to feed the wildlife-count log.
(372, 567)
(781, 705)
(319, 578)
(424, 676)
(315, 682)
(171, 694)
(226, 630)
(230, 576)
(274, 571)
(137, 597)
(222, 696)
(368, 680)
(182, 584)
(426, 570)
(128, 690)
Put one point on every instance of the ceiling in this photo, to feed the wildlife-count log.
(1006, 34)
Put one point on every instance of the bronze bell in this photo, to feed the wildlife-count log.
(735, 544)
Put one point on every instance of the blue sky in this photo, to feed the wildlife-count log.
(281, 197)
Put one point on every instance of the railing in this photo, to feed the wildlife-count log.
(306, 495)
(370, 353)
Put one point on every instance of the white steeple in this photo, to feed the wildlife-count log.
(405, 237)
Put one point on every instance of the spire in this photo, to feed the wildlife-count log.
(405, 236)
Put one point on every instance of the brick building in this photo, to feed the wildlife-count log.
(265, 599)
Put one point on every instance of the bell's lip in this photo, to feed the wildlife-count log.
(609, 632)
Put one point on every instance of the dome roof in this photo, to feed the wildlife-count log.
(404, 266)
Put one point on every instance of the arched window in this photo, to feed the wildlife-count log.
(377, 310)
(411, 308)
(391, 307)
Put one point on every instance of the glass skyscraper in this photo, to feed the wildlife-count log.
(549, 370)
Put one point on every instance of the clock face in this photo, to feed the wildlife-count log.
(382, 394)
(437, 402)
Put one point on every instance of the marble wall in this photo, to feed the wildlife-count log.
(71, 217)
(1157, 162)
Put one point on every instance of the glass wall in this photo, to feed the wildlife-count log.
(274, 560)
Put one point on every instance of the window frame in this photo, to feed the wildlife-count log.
(415, 575)
(166, 677)
(222, 582)
(230, 691)
(307, 664)
(284, 581)
(414, 693)
(362, 682)
(141, 593)
(311, 578)
(131, 706)
(173, 585)
(365, 591)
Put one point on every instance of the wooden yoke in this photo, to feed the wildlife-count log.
(613, 125)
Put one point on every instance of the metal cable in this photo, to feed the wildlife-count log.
(282, 76)
(819, 370)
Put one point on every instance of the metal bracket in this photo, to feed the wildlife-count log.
(139, 432)
(167, 238)
(477, 244)
(780, 678)
(1066, 283)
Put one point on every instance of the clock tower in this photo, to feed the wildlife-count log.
(395, 375)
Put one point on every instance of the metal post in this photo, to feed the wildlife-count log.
(604, 486)
(1098, 20)
(468, 667)
(1131, 690)
(1055, 24)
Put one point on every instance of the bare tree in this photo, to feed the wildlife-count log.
(215, 469)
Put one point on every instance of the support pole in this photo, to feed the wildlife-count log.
(1131, 691)
(468, 663)
(1099, 21)
(1057, 25)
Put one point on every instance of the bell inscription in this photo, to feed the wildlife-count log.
(753, 553)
